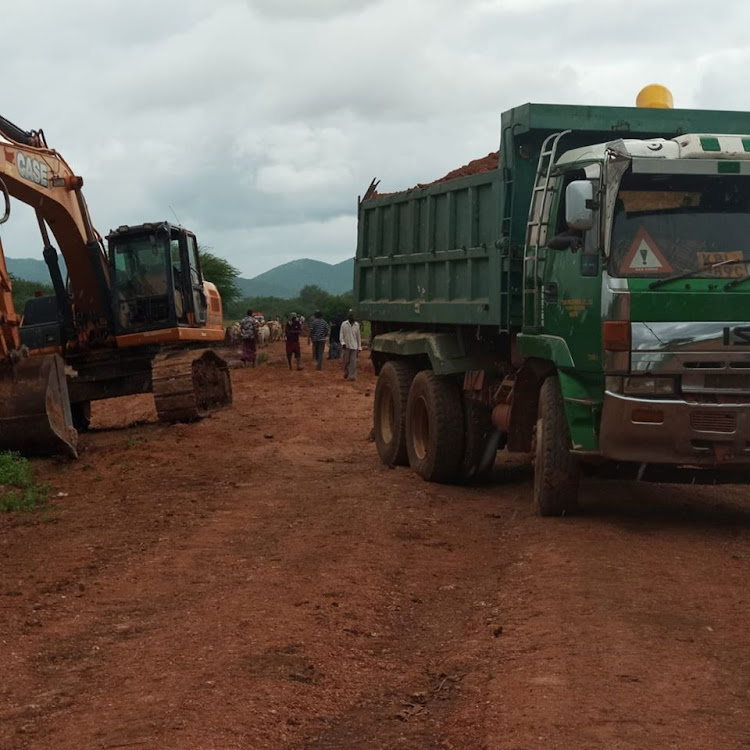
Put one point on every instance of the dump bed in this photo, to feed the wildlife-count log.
(452, 252)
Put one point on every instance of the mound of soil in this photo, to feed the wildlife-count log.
(476, 166)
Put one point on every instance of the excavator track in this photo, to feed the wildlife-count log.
(187, 385)
(35, 416)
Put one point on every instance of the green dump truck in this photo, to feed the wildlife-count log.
(587, 300)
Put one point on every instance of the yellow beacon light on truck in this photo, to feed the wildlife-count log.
(655, 96)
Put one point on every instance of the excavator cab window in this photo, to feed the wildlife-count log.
(178, 281)
(142, 281)
(196, 281)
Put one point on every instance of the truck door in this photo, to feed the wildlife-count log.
(570, 282)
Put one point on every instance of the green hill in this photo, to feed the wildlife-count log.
(288, 279)
(31, 269)
(283, 281)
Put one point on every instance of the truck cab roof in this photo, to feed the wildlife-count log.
(688, 146)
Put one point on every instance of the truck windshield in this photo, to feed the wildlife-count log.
(672, 224)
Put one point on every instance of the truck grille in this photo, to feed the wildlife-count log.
(713, 421)
(736, 383)
(733, 381)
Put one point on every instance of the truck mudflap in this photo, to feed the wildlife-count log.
(35, 416)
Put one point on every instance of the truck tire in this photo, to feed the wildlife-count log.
(556, 469)
(389, 411)
(435, 427)
(478, 429)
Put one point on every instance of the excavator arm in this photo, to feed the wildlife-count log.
(34, 404)
(41, 178)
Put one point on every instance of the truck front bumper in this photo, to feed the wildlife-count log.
(672, 431)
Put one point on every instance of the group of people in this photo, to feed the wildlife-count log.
(342, 336)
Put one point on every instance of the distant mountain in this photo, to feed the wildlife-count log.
(288, 279)
(31, 269)
(282, 281)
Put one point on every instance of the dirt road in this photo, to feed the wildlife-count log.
(259, 580)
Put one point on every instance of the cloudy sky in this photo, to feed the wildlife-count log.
(259, 122)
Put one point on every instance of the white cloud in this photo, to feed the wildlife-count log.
(259, 122)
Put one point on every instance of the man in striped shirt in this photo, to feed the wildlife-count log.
(318, 333)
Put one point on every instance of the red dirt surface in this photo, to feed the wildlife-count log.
(259, 580)
(477, 166)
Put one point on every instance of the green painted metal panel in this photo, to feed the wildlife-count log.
(452, 252)
(710, 144)
(541, 346)
(583, 395)
(678, 301)
(446, 351)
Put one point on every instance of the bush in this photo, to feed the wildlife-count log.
(24, 290)
(310, 299)
(18, 490)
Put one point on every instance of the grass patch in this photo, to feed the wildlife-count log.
(18, 489)
(261, 359)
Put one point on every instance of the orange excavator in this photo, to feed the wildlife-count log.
(134, 317)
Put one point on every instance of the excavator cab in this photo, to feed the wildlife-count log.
(156, 278)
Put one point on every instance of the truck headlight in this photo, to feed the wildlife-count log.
(648, 385)
(613, 383)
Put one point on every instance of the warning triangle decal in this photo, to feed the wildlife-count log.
(644, 256)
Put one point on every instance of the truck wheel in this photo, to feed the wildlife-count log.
(478, 429)
(81, 413)
(555, 467)
(389, 411)
(434, 427)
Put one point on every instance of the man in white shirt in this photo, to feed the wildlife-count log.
(351, 344)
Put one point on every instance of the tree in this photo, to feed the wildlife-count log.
(222, 273)
(313, 298)
(24, 290)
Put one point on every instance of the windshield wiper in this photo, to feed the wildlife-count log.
(685, 274)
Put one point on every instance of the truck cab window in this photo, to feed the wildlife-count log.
(666, 224)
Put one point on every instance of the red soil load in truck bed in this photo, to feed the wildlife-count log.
(477, 166)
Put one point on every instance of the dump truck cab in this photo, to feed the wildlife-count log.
(651, 299)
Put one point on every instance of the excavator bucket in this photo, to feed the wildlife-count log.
(35, 416)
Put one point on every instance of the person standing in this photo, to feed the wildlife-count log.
(334, 341)
(249, 337)
(351, 343)
(293, 331)
(319, 329)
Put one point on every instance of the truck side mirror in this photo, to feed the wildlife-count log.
(579, 199)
